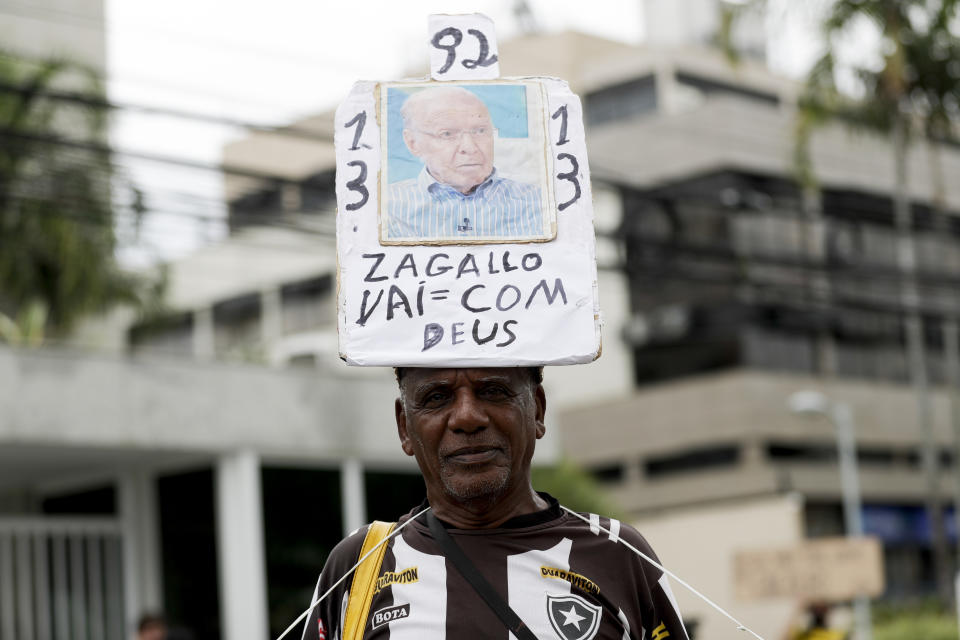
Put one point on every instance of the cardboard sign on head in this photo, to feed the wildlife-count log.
(465, 222)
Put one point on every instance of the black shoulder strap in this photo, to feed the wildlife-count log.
(460, 560)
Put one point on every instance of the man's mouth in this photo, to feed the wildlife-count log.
(473, 455)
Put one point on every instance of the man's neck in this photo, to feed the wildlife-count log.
(464, 189)
(486, 512)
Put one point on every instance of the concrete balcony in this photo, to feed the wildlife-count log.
(64, 413)
(730, 436)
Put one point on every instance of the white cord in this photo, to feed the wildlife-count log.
(344, 576)
(740, 626)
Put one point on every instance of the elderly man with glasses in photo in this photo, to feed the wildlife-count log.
(459, 193)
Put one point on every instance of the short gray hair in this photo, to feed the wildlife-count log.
(535, 373)
(414, 104)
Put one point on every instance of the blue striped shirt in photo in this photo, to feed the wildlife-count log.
(422, 208)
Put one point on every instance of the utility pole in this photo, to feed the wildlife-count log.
(951, 348)
(916, 352)
(841, 416)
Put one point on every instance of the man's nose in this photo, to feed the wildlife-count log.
(466, 143)
(467, 414)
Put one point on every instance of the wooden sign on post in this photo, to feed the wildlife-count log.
(827, 569)
(465, 222)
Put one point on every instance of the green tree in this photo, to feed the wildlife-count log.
(574, 488)
(914, 619)
(57, 234)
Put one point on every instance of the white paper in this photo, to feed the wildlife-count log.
(462, 47)
(499, 304)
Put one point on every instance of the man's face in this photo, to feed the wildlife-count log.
(454, 138)
(472, 431)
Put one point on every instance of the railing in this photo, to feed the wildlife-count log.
(61, 579)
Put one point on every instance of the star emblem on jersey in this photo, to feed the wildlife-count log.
(572, 617)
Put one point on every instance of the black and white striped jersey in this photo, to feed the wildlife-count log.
(567, 580)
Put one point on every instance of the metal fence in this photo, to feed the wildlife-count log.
(61, 579)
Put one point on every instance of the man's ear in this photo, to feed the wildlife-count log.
(410, 138)
(405, 443)
(540, 397)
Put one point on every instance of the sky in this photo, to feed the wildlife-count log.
(271, 62)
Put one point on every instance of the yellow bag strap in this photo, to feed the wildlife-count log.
(364, 580)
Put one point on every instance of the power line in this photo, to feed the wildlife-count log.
(90, 100)
(178, 162)
(275, 218)
(278, 220)
(256, 245)
(96, 147)
(124, 76)
(113, 171)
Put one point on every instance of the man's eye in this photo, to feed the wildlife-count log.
(445, 134)
(434, 397)
(480, 131)
(494, 392)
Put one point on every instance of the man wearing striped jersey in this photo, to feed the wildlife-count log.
(567, 576)
(458, 193)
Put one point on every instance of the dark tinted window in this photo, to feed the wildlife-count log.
(621, 101)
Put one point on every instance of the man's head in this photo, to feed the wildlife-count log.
(472, 431)
(450, 130)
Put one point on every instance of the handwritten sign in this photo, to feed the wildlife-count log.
(465, 220)
(828, 569)
(463, 47)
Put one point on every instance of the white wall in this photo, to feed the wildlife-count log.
(611, 375)
(698, 544)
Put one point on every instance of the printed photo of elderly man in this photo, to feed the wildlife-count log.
(458, 193)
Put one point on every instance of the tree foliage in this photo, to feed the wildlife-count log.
(573, 487)
(57, 234)
(915, 78)
(928, 623)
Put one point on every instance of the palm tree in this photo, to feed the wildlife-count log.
(912, 92)
(57, 235)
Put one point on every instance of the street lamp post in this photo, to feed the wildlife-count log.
(840, 414)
